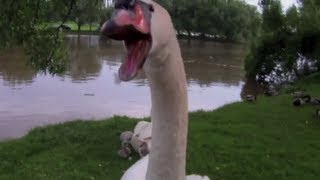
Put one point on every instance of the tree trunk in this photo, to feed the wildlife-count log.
(90, 26)
(189, 34)
(203, 36)
(189, 38)
(79, 27)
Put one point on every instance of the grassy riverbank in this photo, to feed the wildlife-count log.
(270, 139)
(84, 29)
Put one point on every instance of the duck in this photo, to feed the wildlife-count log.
(315, 101)
(301, 100)
(251, 98)
(298, 102)
(151, 45)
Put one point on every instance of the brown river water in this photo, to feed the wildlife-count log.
(90, 88)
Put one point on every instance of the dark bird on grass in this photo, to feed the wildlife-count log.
(298, 102)
(306, 98)
(315, 101)
(302, 100)
(251, 98)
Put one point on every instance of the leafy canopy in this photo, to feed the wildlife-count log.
(288, 45)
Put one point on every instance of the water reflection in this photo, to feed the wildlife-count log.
(85, 63)
(91, 88)
(13, 69)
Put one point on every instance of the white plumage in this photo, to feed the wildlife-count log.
(138, 171)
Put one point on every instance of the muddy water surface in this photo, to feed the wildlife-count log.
(90, 88)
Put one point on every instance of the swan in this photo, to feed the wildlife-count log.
(251, 98)
(150, 41)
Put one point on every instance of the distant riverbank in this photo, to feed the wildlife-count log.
(85, 29)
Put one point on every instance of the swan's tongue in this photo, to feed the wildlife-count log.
(137, 53)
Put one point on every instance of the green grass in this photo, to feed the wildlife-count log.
(270, 139)
(84, 27)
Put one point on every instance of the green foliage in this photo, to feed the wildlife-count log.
(231, 20)
(24, 23)
(270, 139)
(86, 11)
(288, 46)
(310, 29)
(40, 44)
(272, 17)
(105, 14)
(20, 26)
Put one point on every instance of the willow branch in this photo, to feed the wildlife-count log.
(36, 13)
(72, 2)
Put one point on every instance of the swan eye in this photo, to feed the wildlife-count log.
(151, 8)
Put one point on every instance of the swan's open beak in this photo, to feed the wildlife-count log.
(130, 22)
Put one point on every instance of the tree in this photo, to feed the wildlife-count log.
(23, 24)
(288, 46)
(231, 20)
(86, 12)
(94, 12)
(292, 18)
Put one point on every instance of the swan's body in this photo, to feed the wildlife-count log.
(139, 169)
(151, 43)
(143, 131)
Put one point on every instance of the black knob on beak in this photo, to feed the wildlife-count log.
(124, 4)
